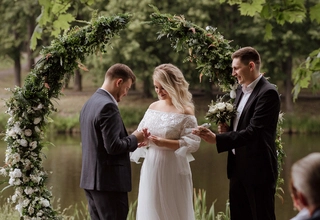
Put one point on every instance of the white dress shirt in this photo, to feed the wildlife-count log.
(247, 90)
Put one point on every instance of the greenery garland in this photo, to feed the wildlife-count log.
(30, 106)
(212, 54)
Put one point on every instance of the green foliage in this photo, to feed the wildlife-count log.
(200, 208)
(314, 13)
(307, 74)
(55, 18)
(30, 106)
(207, 48)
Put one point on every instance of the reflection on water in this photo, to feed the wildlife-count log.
(208, 170)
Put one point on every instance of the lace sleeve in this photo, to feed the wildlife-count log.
(188, 142)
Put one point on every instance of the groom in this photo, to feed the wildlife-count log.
(250, 140)
(106, 171)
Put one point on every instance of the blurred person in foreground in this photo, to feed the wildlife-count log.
(106, 170)
(305, 187)
(250, 140)
(165, 188)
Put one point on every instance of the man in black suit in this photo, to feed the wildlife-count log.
(250, 140)
(106, 170)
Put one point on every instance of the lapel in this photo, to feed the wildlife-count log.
(239, 94)
(252, 97)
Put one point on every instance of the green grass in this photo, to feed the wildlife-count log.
(7, 212)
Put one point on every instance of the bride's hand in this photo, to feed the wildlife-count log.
(156, 140)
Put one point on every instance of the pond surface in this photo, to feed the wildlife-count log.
(209, 172)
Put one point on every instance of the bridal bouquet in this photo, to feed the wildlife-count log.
(221, 111)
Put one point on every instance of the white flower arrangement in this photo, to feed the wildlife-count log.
(221, 111)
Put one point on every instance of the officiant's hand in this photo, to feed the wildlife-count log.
(206, 134)
(223, 127)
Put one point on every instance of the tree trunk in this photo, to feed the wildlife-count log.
(146, 88)
(30, 58)
(287, 69)
(17, 69)
(77, 80)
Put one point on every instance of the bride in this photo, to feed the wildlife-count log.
(166, 189)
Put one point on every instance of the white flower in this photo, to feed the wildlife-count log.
(35, 179)
(25, 202)
(221, 106)
(40, 106)
(14, 198)
(16, 173)
(213, 109)
(44, 202)
(3, 171)
(28, 132)
(37, 129)
(233, 94)
(15, 158)
(19, 208)
(33, 145)
(229, 107)
(28, 190)
(23, 142)
(36, 120)
(31, 211)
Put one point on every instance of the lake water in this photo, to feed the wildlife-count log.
(209, 171)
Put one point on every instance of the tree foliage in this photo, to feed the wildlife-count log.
(288, 11)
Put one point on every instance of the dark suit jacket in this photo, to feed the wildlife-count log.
(254, 139)
(105, 146)
(316, 215)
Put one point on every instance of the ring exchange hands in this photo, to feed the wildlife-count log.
(142, 136)
(205, 133)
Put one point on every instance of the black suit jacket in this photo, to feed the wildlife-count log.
(255, 160)
(105, 146)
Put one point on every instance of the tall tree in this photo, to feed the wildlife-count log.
(17, 20)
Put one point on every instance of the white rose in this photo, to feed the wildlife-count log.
(37, 129)
(221, 106)
(28, 190)
(16, 173)
(44, 202)
(233, 94)
(213, 110)
(36, 121)
(33, 145)
(3, 171)
(229, 107)
(25, 202)
(23, 143)
(31, 211)
(28, 132)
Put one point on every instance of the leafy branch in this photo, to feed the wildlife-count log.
(207, 47)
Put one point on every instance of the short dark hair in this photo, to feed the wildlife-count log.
(121, 71)
(246, 55)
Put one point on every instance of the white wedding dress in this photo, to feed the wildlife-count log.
(165, 189)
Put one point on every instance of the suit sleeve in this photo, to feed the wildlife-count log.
(115, 138)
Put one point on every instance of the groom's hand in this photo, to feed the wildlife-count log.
(206, 134)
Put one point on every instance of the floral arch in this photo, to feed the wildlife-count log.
(30, 106)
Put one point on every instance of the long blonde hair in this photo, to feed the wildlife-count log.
(172, 80)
